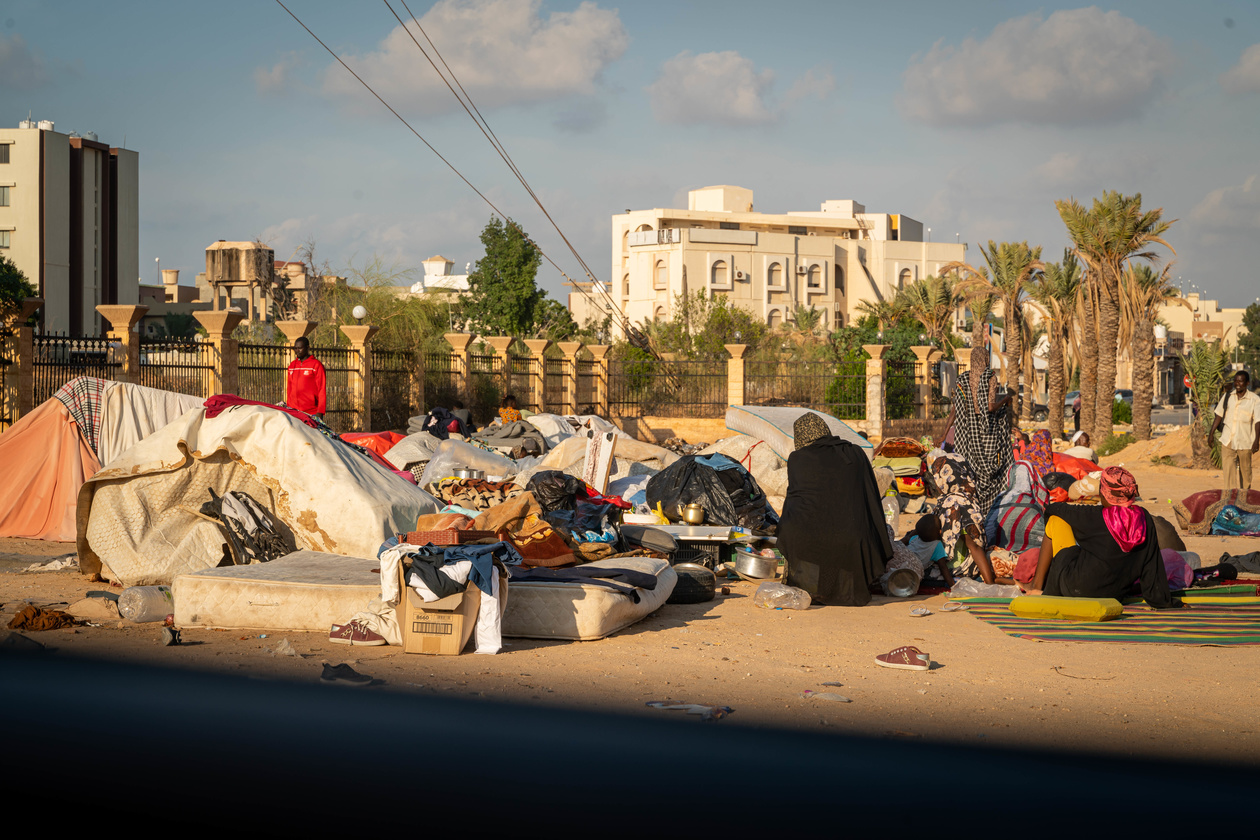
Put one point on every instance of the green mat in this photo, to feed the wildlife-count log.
(1211, 624)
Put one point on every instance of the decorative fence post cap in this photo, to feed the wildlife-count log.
(537, 346)
(459, 341)
(570, 348)
(293, 330)
(737, 351)
(16, 314)
(359, 334)
(876, 351)
(500, 343)
(221, 323)
(599, 351)
(922, 352)
(122, 316)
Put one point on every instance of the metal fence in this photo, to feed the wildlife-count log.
(586, 386)
(441, 379)
(341, 364)
(8, 378)
(900, 393)
(523, 373)
(553, 383)
(392, 372)
(176, 364)
(59, 359)
(262, 371)
(489, 386)
(666, 388)
(839, 389)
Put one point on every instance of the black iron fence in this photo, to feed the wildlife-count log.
(900, 392)
(176, 364)
(839, 389)
(523, 373)
(666, 388)
(61, 358)
(262, 371)
(392, 375)
(8, 378)
(341, 364)
(489, 386)
(554, 382)
(587, 387)
(441, 379)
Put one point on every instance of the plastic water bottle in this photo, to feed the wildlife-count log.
(779, 596)
(892, 510)
(146, 603)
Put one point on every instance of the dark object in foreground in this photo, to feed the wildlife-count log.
(343, 674)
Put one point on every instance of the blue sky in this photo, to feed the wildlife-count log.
(970, 116)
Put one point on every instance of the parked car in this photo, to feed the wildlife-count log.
(1040, 413)
(1068, 399)
(1125, 395)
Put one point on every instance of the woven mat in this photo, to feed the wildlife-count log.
(1202, 624)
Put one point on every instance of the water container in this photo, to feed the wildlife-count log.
(146, 603)
(892, 512)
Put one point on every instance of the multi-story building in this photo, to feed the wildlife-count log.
(830, 259)
(1204, 319)
(69, 219)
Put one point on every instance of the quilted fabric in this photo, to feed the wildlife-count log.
(581, 611)
(306, 590)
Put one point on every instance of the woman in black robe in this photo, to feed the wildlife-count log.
(832, 532)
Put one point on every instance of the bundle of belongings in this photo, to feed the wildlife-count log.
(904, 456)
(439, 422)
(1224, 512)
(727, 492)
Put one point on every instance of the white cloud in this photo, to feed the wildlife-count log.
(1244, 77)
(722, 88)
(1076, 66)
(817, 83)
(1228, 211)
(21, 67)
(278, 78)
(1096, 170)
(502, 51)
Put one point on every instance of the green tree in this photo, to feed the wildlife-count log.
(13, 284)
(1143, 291)
(553, 320)
(932, 301)
(503, 296)
(885, 312)
(1206, 365)
(1249, 339)
(701, 326)
(1057, 292)
(1107, 235)
(179, 324)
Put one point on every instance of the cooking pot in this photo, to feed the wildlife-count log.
(749, 563)
(693, 514)
(469, 474)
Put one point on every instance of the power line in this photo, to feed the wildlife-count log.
(449, 165)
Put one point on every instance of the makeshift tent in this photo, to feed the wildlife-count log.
(46, 456)
(137, 518)
(773, 424)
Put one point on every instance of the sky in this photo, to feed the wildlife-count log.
(973, 117)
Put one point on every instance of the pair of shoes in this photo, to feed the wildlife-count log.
(354, 633)
(908, 658)
(170, 636)
(343, 675)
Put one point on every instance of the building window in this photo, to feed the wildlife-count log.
(839, 280)
(797, 230)
(839, 319)
(774, 319)
(4, 152)
(660, 313)
(662, 275)
(774, 275)
(625, 285)
(728, 225)
(720, 275)
(4, 194)
(815, 277)
(5, 241)
(904, 279)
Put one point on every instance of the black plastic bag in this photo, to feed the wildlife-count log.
(1057, 479)
(727, 492)
(555, 490)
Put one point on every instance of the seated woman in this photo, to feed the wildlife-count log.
(832, 532)
(1099, 551)
(508, 412)
(960, 518)
(1081, 449)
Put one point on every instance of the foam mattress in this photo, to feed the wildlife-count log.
(583, 611)
(773, 424)
(305, 590)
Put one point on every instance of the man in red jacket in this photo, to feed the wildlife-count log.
(308, 390)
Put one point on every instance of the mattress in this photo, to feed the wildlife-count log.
(773, 424)
(582, 611)
(305, 590)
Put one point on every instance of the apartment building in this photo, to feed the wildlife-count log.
(830, 259)
(69, 219)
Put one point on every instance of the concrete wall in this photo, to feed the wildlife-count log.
(128, 222)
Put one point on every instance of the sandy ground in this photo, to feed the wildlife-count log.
(985, 688)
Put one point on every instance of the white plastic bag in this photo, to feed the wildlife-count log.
(972, 588)
(452, 455)
(780, 596)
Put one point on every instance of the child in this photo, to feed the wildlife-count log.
(925, 542)
(508, 413)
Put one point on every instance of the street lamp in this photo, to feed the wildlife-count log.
(359, 313)
(929, 234)
(158, 260)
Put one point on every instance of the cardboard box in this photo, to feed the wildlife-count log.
(442, 627)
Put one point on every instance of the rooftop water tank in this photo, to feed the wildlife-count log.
(45, 125)
(1161, 332)
(26, 124)
(90, 135)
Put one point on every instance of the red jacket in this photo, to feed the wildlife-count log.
(307, 389)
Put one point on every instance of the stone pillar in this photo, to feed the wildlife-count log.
(293, 330)
(922, 380)
(735, 373)
(538, 384)
(876, 399)
(360, 336)
(459, 344)
(570, 350)
(500, 345)
(600, 352)
(224, 379)
(123, 318)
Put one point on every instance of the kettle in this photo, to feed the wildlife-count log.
(693, 513)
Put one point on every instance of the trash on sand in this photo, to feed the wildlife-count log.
(705, 712)
(920, 611)
(145, 603)
(343, 674)
(60, 564)
(32, 617)
(170, 636)
(95, 608)
(285, 649)
(825, 695)
(779, 596)
(954, 606)
(833, 684)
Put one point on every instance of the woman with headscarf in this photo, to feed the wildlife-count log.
(1099, 551)
(832, 532)
(982, 428)
(1040, 453)
(960, 517)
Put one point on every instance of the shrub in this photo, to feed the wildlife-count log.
(1114, 443)
(1121, 412)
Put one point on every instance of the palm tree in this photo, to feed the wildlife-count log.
(885, 312)
(1142, 292)
(1012, 268)
(807, 319)
(931, 301)
(1206, 366)
(1105, 237)
(1087, 317)
(1057, 291)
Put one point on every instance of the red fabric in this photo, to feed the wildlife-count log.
(591, 495)
(1127, 525)
(220, 402)
(308, 388)
(1078, 468)
(1118, 486)
(1026, 566)
(378, 442)
(1058, 494)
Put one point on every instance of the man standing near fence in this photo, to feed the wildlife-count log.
(308, 384)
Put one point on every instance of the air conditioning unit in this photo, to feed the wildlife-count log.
(800, 269)
(739, 275)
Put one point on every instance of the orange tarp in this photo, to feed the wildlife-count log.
(378, 442)
(44, 460)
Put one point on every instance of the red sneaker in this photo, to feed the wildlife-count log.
(354, 633)
(908, 658)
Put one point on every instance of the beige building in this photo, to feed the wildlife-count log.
(1208, 321)
(830, 259)
(69, 219)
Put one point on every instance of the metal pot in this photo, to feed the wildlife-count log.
(469, 474)
(693, 514)
(754, 565)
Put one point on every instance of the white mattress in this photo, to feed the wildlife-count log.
(583, 611)
(305, 590)
(773, 424)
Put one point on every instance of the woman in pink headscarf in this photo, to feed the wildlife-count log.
(1099, 551)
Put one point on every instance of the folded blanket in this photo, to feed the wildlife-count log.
(475, 493)
(513, 437)
(1196, 512)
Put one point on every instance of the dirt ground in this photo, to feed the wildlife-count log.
(1190, 703)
